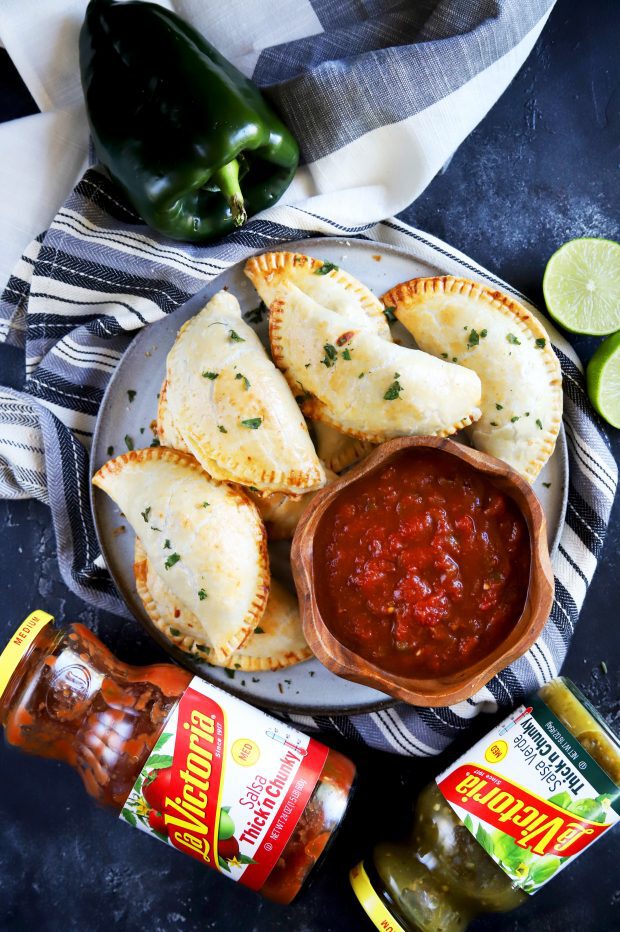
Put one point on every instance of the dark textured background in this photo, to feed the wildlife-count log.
(542, 168)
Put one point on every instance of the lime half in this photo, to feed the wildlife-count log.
(582, 286)
(604, 380)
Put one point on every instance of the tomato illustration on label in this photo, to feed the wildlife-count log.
(155, 788)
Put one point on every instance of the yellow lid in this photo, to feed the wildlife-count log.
(19, 643)
(371, 902)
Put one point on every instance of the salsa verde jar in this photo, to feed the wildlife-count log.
(194, 767)
(501, 821)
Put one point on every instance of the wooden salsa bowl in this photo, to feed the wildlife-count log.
(457, 686)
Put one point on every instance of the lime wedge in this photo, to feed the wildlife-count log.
(582, 286)
(603, 376)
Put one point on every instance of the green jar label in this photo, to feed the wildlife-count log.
(531, 795)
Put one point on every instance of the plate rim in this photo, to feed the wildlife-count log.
(180, 657)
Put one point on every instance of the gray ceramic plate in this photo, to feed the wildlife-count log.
(308, 687)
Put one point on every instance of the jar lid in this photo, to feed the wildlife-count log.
(370, 900)
(19, 644)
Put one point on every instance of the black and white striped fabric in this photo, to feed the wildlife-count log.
(84, 288)
(406, 82)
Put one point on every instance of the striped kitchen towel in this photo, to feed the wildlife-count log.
(387, 95)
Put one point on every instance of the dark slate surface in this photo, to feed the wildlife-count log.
(543, 167)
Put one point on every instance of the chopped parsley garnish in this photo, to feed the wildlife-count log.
(234, 337)
(202, 595)
(156, 529)
(155, 442)
(172, 559)
(390, 315)
(210, 375)
(167, 544)
(494, 424)
(131, 394)
(455, 359)
(514, 418)
(256, 315)
(499, 406)
(229, 673)
(222, 429)
(394, 389)
(541, 343)
(175, 632)
(513, 339)
(326, 268)
(202, 647)
(331, 354)
(259, 630)
(483, 333)
(253, 423)
(547, 485)
(444, 355)
(110, 451)
(361, 375)
(205, 504)
(346, 354)
(128, 442)
(473, 339)
(539, 423)
(246, 381)
(142, 430)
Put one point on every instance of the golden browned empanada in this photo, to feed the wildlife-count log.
(276, 642)
(204, 537)
(338, 451)
(325, 283)
(361, 384)
(233, 409)
(281, 513)
(507, 347)
(167, 433)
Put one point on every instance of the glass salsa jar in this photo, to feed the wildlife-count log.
(501, 821)
(176, 757)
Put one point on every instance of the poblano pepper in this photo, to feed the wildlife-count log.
(190, 140)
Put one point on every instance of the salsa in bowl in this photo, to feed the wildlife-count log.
(424, 571)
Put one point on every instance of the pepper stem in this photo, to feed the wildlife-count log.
(227, 179)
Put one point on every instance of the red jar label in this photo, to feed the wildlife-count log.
(226, 784)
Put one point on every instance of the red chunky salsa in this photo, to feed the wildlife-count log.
(424, 565)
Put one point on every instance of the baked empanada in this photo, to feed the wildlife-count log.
(281, 513)
(503, 343)
(167, 433)
(204, 537)
(325, 283)
(232, 407)
(277, 642)
(361, 384)
(338, 451)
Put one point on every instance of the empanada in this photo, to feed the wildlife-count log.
(361, 384)
(232, 407)
(167, 433)
(338, 451)
(276, 642)
(204, 537)
(502, 342)
(281, 513)
(325, 283)
(279, 510)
